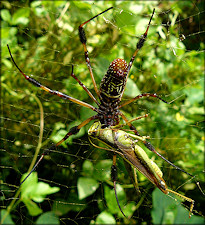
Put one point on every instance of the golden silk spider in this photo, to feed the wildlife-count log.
(109, 94)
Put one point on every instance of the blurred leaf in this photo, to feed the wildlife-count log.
(41, 190)
(167, 211)
(32, 207)
(60, 208)
(111, 200)
(88, 168)
(102, 170)
(31, 189)
(21, 16)
(48, 218)
(86, 187)
(195, 95)
(8, 219)
(105, 218)
(5, 15)
(82, 5)
(131, 89)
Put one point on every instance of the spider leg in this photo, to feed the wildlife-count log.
(53, 92)
(137, 118)
(114, 178)
(149, 146)
(84, 87)
(140, 43)
(132, 127)
(72, 131)
(83, 41)
(143, 95)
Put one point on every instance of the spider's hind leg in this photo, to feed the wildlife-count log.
(114, 178)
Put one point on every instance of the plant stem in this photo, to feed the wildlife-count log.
(10, 207)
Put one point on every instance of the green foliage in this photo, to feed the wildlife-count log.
(8, 219)
(34, 191)
(48, 218)
(105, 218)
(166, 211)
(43, 38)
(86, 186)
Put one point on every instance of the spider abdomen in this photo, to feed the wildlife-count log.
(114, 81)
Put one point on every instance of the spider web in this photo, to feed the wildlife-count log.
(43, 37)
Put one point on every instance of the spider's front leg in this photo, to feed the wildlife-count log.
(83, 40)
(147, 95)
(72, 131)
(53, 92)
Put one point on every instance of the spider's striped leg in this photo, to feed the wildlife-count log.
(132, 127)
(114, 178)
(72, 131)
(149, 146)
(143, 95)
(140, 43)
(84, 87)
(83, 41)
(53, 92)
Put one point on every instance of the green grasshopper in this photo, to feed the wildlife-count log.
(126, 146)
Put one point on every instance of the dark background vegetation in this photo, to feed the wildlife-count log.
(44, 42)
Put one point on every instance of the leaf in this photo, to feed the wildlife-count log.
(167, 211)
(31, 189)
(195, 95)
(28, 184)
(111, 200)
(5, 15)
(182, 217)
(21, 16)
(59, 208)
(131, 89)
(41, 190)
(102, 170)
(8, 219)
(86, 187)
(48, 218)
(88, 168)
(105, 218)
(32, 207)
(160, 213)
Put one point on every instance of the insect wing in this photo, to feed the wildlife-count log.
(138, 158)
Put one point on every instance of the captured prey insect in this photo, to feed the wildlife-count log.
(125, 145)
(110, 93)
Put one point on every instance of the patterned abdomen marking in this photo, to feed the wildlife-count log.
(113, 83)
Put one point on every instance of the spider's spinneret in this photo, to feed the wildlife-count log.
(114, 81)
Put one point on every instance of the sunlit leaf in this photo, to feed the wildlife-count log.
(105, 218)
(86, 187)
